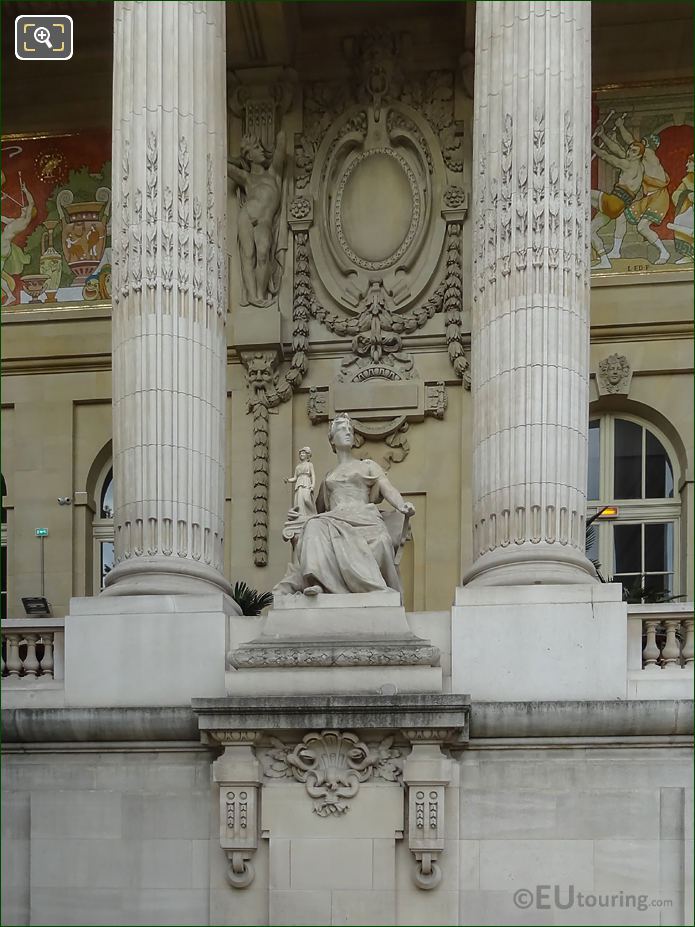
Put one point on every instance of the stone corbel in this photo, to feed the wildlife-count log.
(426, 773)
(238, 775)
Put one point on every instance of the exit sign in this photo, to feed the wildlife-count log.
(42, 532)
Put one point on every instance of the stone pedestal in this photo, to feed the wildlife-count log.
(527, 643)
(335, 644)
(145, 650)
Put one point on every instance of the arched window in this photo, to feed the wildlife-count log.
(631, 467)
(3, 553)
(102, 527)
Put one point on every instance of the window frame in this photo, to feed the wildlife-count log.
(658, 510)
(102, 528)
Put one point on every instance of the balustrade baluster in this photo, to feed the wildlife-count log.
(14, 664)
(47, 659)
(671, 654)
(651, 653)
(688, 655)
(31, 663)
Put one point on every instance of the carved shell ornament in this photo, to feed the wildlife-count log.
(332, 765)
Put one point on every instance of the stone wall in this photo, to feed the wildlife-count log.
(104, 834)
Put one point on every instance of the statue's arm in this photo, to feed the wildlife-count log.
(321, 499)
(391, 494)
(236, 174)
(278, 163)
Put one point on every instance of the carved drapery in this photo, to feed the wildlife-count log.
(530, 292)
(169, 297)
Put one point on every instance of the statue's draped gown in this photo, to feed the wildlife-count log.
(346, 547)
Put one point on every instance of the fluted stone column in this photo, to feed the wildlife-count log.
(530, 339)
(169, 297)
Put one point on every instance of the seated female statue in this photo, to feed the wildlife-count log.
(346, 547)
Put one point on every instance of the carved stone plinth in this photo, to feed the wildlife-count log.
(327, 643)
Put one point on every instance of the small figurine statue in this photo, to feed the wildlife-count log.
(304, 480)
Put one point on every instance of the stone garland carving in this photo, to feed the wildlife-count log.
(400, 448)
(332, 765)
(151, 178)
(253, 656)
(385, 327)
(267, 390)
(176, 232)
(433, 96)
(378, 79)
(495, 219)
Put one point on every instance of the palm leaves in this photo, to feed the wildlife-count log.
(250, 601)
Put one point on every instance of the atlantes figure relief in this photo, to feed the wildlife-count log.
(262, 235)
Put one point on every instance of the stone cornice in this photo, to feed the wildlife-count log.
(605, 721)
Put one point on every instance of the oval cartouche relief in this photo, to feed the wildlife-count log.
(377, 208)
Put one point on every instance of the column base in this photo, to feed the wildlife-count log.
(156, 576)
(531, 565)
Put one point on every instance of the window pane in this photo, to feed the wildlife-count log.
(628, 460)
(657, 587)
(658, 472)
(107, 497)
(658, 547)
(632, 587)
(593, 488)
(628, 548)
(107, 560)
(592, 543)
(3, 595)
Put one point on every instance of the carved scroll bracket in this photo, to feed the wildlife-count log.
(238, 775)
(426, 773)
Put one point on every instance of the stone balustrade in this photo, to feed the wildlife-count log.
(660, 662)
(666, 635)
(32, 651)
(660, 659)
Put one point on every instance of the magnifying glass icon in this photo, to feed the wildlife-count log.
(43, 36)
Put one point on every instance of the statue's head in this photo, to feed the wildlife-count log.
(252, 150)
(341, 432)
(305, 453)
(614, 369)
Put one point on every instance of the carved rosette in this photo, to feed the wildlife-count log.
(169, 305)
(530, 331)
